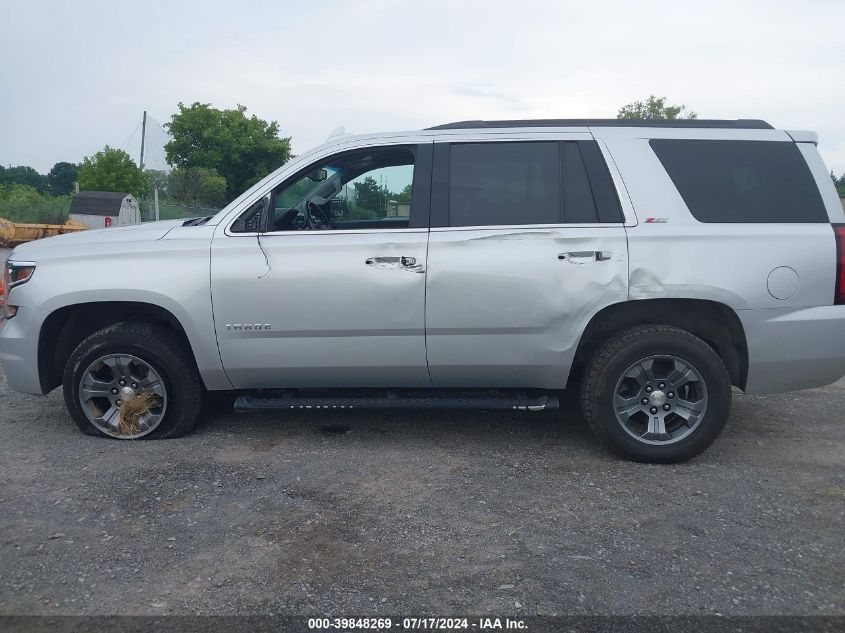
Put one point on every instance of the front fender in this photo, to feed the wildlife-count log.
(170, 274)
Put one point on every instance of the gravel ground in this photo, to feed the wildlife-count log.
(421, 513)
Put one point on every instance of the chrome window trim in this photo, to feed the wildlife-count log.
(330, 232)
(523, 227)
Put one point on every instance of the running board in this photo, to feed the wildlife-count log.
(250, 403)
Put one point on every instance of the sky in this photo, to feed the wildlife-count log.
(76, 76)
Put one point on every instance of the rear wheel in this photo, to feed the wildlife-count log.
(656, 394)
(131, 381)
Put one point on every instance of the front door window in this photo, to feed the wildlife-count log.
(360, 190)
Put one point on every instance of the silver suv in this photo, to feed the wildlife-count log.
(649, 265)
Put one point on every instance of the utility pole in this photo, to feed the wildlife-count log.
(143, 138)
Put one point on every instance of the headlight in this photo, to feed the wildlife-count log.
(15, 274)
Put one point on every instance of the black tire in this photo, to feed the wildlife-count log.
(162, 350)
(615, 356)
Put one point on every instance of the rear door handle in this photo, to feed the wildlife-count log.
(580, 257)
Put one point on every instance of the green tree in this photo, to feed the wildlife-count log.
(111, 170)
(368, 198)
(404, 196)
(156, 179)
(654, 108)
(23, 175)
(22, 203)
(61, 178)
(241, 149)
(197, 185)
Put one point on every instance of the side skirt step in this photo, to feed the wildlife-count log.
(253, 403)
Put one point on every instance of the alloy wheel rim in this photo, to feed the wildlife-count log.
(114, 377)
(660, 399)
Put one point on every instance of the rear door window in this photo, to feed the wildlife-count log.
(504, 183)
(742, 181)
(537, 182)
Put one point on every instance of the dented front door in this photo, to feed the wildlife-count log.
(321, 308)
(505, 306)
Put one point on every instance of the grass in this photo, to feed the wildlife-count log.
(132, 410)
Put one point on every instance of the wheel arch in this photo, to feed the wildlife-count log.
(715, 323)
(66, 327)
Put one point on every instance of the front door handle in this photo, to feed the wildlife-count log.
(581, 257)
(404, 262)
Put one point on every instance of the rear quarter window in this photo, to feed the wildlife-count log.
(742, 181)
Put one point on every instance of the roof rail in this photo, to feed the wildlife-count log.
(738, 124)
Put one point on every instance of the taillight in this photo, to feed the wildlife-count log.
(839, 296)
(14, 274)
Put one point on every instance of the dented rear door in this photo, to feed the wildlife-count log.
(524, 249)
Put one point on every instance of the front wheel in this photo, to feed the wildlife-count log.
(133, 380)
(656, 394)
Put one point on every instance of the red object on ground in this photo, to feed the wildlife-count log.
(108, 222)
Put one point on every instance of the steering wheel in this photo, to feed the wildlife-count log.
(314, 212)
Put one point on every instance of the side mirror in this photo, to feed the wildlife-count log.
(318, 175)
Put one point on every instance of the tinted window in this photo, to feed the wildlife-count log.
(604, 192)
(742, 181)
(504, 183)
